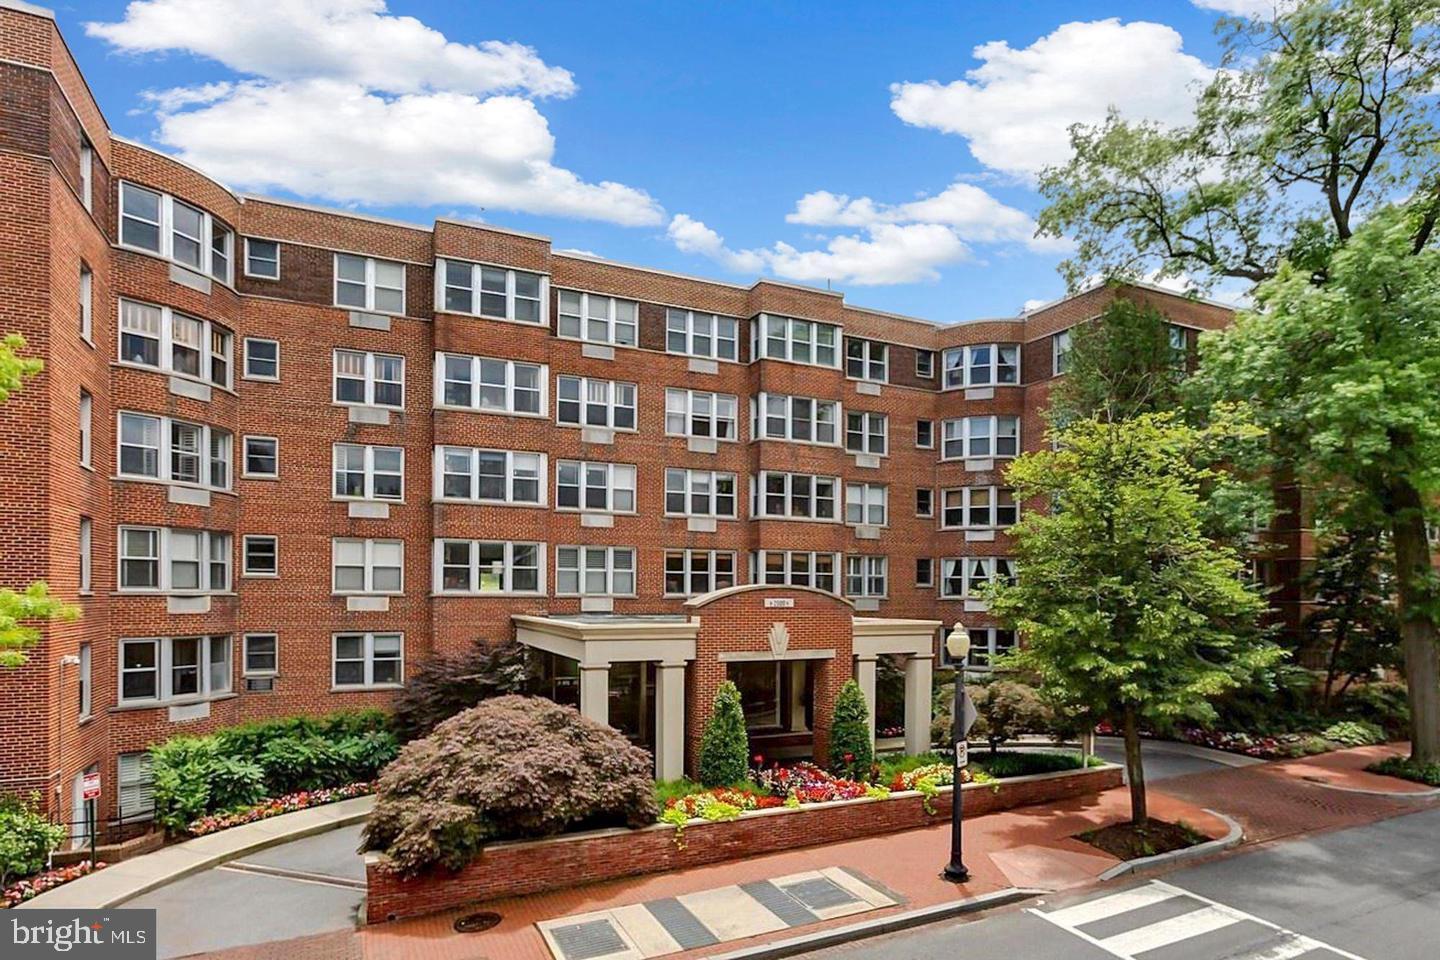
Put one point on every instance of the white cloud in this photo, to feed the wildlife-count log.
(1015, 109)
(415, 118)
(1255, 9)
(692, 236)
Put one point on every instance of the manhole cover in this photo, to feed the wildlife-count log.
(587, 940)
(819, 893)
(475, 922)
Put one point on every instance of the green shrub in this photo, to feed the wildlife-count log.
(26, 837)
(181, 768)
(1022, 763)
(511, 768)
(1382, 703)
(1354, 733)
(299, 763)
(1009, 709)
(724, 746)
(851, 753)
(235, 783)
(363, 755)
(1407, 769)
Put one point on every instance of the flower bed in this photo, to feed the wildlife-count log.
(275, 806)
(31, 887)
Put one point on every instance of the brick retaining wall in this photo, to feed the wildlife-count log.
(536, 866)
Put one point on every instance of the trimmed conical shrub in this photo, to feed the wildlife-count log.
(725, 746)
(851, 754)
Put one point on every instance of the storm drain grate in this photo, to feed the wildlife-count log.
(820, 893)
(585, 941)
(476, 922)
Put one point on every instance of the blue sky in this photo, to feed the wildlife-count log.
(886, 148)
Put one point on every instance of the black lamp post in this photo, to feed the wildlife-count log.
(957, 645)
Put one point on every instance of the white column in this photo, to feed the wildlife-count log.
(669, 720)
(595, 691)
(918, 668)
(865, 676)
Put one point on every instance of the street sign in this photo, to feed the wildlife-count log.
(967, 715)
(962, 754)
(90, 786)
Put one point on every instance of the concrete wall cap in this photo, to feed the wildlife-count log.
(708, 598)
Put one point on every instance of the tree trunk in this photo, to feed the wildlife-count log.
(1419, 641)
(1135, 769)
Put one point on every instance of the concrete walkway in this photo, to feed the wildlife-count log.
(130, 878)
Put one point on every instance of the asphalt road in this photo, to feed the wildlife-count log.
(1367, 893)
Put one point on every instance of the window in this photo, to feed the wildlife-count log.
(367, 566)
(135, 786)
(761, 695)
(982, 365)
(798, 419)
(262, 655)
(489, 385)
(924, 502)
(968, 577)
(981, 437)
(701, 334)
(262, 457)
(171, 342)
(924, 572)
(866, 360)
(865, 432)
(159, 670)
(262, 359)
(986, 643)
(794, 568)
(368, 473)
(174, 230)
(368, 659)
(1060, 352)
(800, 341)
(695, 413)
(866, 503)
(86, 297)
(260, 556)
(369, 379)
(488, 566)
(795, 496)
(595, 571)
(604, 487)
(489, 476)
(925, 434)
(86, 554)
(175, 451)
(84, 679)
(166, 560)
(589, 316)
(699, 493)
(364, 283)
(493, 292)
(262, 259)
(582, 401)
(690, 573)
(1179, 345)
(87, 172)
(865, 577)
(980, 507)
(87, 407)
(925, 364)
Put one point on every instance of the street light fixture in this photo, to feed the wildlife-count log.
(957, 645)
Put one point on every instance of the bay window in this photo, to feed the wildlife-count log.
(979, 507)
(799, 341)
(488, 566)
(166, 669)
(981, 437)
(489, 476)
(496, 293)
(489, 385)
(794, 568)
(166, 560)
(797, 419)
(175, 451)
(982, 365)
(595, 571)
(162, 339)
(696, 413)
(587, 402)
(170, 228)
(795, 496)
(699, 493)
(367, 566)
(697, 334)
(690, 573)
(597, 319)
(968, 577)
(603, 487)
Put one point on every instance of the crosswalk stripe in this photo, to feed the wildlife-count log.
(1293, 945)
(1165, 932)
(1113, 905)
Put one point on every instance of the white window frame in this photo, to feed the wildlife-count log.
(249, 257)
(367, 565)
(681, 402)
(245, 471)
(477, 292)
(371, 282)
(610, 571)
(367, 470)
(164, 648)
(87, 173)
(611, 319)
(682, 322)
(759, 508)
(789, 576)
(930, 511)
(207, 543)
(371, 379)
(245, 542)
(135, 785)
(961, 368)
(688, 572)
(967, 496)
(964, 430)
(794, 347)
(990, 565)
(165, 344)
(511, 478)
(86, 680)
(1060, 343)
(760, 419)
(86, 296)
(473, 568)
(542, 388)
(164, 464)
(867, 432)
(86, 415)
(925, 446)
(583, 486)
(367, 657)
(862, 568)
(611, 404)
(166, 229)
(247, 374)
(86, 536)
(709, 482)
(985, 643)
(929, 580)
(867, 496)
(868, 360)
(929, 372)
(245, 669)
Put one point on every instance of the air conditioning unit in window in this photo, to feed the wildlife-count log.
(259, 684)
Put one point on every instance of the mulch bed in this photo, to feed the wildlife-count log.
(1126, 841)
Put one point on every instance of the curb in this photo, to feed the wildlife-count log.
(874, 928)
(1232, 839)
(145, 885)
(1392, 794)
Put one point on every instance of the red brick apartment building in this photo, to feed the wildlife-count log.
(279, 455)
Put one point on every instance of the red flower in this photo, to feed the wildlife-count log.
(759, 759)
